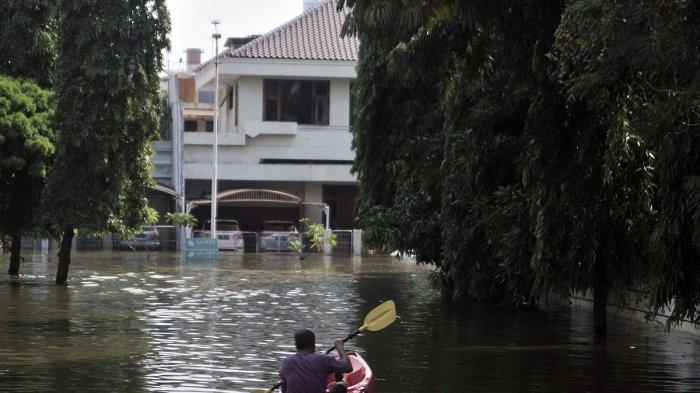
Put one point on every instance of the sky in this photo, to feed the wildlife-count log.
(192, 28)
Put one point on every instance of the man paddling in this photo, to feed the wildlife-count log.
(307, 371)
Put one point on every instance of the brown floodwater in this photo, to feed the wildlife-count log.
(163, 324)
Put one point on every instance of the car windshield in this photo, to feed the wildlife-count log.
(222, 226)
(279, 226)
(227, 226)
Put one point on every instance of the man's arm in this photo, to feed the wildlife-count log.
(343, 354)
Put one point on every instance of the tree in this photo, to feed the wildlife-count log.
(444, 88)
(26, 151)
(635, 66)
(27, 40)
(564, 134)
(107, 113)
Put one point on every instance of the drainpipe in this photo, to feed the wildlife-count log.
(327, 210)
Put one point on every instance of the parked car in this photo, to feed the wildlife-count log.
(148, 238)
(227, 231)
(277, 234)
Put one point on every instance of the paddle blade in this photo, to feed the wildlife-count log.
(381, 317)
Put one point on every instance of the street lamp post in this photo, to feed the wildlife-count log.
(215, 175)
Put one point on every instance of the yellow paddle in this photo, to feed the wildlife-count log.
(382, 316)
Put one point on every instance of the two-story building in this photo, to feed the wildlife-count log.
(284, 126)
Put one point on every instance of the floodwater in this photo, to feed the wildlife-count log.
(130, 324)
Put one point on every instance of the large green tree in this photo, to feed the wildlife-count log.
(565, 134)
(636, 68)
(107, 112)
(26, 151)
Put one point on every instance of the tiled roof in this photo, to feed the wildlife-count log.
(313, 35)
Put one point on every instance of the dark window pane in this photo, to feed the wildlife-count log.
(209, 126)
(190, 125)
(296, 102)
(206, 97)
(321, 111)
(229, 97)
(271, 110)
(270, 87)
(322, 87)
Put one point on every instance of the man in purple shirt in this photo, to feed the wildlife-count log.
(307, 371)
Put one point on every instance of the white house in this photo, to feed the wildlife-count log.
(284, 126)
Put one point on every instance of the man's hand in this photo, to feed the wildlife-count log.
(341, 352)
(339, 345)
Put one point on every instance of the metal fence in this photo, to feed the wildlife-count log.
(250, 242)
(343, 244)
(29, 244)
(89, 242)
(155, 238)
(242, 241)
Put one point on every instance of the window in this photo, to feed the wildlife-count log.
(229, 97)
(206, 97)
(209, 126)
(190, 125)
(300, 101)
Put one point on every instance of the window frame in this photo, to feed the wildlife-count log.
(315, 98)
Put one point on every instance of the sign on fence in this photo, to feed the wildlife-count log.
(204, 248)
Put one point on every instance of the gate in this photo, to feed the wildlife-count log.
(343, 244)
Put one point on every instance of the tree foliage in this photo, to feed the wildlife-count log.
(107, 113)
(27, 39)
(26, 151)
(525, 147)
(636, 66)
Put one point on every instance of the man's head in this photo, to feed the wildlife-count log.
(305, 340)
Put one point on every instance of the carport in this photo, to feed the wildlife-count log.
(252, 206)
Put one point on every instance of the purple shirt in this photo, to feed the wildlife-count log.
(307, 372)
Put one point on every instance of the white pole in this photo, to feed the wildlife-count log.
(215, 176)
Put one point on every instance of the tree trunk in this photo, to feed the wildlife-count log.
(600, 300)
(15, 252)
(64, 256)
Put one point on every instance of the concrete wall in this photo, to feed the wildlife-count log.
(635, 309)
(314, 193)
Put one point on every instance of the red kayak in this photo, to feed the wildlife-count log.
(360, 380)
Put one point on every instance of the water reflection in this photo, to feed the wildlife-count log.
(161, 324)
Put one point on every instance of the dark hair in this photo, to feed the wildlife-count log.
(304, 339)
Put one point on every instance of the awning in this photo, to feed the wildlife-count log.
(258, 198)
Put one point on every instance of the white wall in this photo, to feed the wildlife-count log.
(240, 155)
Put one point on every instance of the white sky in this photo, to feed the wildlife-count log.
(192, 28)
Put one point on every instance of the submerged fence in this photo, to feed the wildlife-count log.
(166, 238)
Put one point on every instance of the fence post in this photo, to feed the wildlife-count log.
(183, 234)
(356, 242)
(44, 245)
(327, 245)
